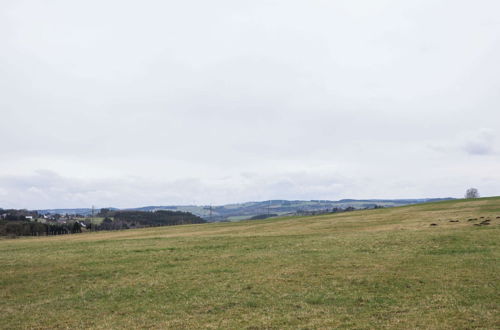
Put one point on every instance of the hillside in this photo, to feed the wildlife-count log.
(242, 211)
(433, 265)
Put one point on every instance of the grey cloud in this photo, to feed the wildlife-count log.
(478, 148)
(480, 143)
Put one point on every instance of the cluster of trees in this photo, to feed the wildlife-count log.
(157, 218)
(109, 224)
(332, 210)
(263, 216)
(33, 228)
(472, 193)
(106, 213)
(17, 215)
(139, 219)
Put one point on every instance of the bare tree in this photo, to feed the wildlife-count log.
(472, 193)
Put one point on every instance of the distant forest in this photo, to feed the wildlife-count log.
(157, 218)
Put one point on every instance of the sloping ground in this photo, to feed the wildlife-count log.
(388, 268)
(247, 210)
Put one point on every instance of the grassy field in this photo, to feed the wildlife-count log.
(387, 268)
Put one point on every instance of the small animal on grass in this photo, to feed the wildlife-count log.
(433, 224)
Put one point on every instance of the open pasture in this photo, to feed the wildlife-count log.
(429, 266)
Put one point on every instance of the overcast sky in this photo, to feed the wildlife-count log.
(131, 103)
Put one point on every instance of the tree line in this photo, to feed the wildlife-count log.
(157, 218)
(33, 228)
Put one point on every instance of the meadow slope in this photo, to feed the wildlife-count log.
(386, 268)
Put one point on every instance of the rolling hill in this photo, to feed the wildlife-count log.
(243, 211)
(432, 265)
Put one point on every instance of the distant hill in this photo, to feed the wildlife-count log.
(79, 211)
(241, 211)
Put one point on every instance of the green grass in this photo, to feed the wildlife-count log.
(384, 268)
(239, 217)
